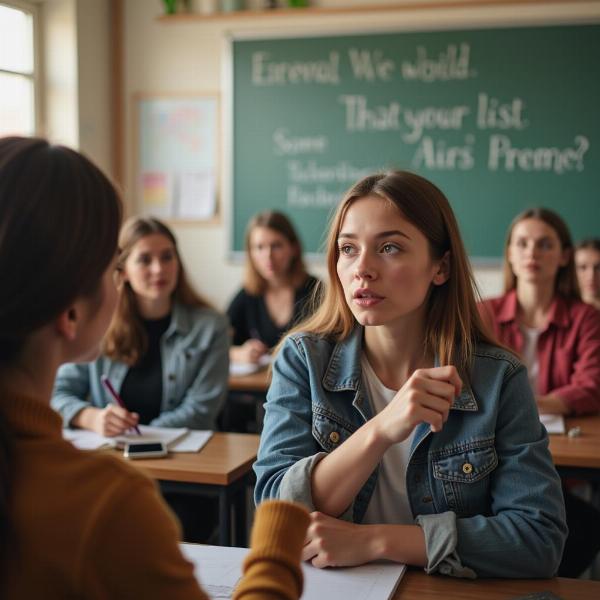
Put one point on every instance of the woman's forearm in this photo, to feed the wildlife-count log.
(338, 477)
(403, 544)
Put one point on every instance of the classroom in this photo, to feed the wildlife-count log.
(397, 154)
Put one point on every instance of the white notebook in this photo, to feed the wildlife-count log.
(553, 423)
(176, 440)
(218, 569)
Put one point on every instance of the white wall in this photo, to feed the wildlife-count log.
(189, 56)
(75, 43)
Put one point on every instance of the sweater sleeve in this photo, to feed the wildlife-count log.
(132, 548)
(272, 567)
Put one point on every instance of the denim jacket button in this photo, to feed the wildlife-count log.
(417, 478)
(171, 376)
(467, 468)
(334, 437)
(426, 499)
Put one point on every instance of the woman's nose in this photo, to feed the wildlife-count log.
(364, 269)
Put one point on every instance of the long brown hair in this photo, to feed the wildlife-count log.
(254, 283)
(453, 324)
(126, 340)
(59, 222)
(566, 278)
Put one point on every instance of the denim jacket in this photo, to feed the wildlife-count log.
(195, 364)
(484, 489)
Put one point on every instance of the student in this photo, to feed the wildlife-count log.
(276, 290)
(394, 416)
(77, 524)
(541, 317)
(587, 264)
(165, 353)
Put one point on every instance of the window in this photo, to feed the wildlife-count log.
(17, 69)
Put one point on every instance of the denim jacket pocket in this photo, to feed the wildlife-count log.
(462, 472)
(329, 430)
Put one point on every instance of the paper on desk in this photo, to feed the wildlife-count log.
(218, 569)
(89, 440)
(193, 441)
(553, 423)
(238, 369)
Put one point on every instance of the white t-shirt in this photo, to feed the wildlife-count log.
(530, 354)
(389, 503)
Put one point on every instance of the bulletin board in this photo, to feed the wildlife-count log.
(176, 146)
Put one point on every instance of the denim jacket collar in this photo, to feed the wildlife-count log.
(181, 320)
(344, 373)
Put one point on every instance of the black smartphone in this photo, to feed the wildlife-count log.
(145, 450)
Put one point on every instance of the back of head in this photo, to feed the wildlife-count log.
(453, 325)
(59, 221)
(566, 278)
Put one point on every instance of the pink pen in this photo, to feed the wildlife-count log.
(111, 390)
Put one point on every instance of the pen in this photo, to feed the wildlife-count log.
(111, 390)
(254, 334)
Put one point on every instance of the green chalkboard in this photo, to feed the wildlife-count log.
(499, 119)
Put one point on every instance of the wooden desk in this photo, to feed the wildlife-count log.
(221, 469)
(578, 456)
(254, 383)
(416, 585)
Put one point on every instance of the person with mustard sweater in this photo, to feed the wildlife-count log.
(76, 524)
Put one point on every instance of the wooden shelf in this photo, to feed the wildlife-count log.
(343, 10)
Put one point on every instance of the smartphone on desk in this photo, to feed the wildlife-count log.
(145, 450)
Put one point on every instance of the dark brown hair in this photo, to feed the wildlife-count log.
(566, 278)
(59, 221)
(589, 244)
(254, 283)
(126, 340)
(453, 324)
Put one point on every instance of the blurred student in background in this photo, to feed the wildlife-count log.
(587, 265)
(542, 317)
(165, 353)
(277, 288)
(557, 336)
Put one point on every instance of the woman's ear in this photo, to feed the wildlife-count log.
(67, 323)
(443, 270)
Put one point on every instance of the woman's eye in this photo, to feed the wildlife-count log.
(390, 249)
(345, 249)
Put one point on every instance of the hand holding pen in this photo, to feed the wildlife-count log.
(127, 420)
(254, 348)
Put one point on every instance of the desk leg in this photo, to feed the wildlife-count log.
(240, 508)
(224, 517)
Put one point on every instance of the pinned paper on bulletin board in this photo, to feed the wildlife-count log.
(177, 148)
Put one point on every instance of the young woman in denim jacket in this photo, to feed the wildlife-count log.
(166, 352)
(410, 434)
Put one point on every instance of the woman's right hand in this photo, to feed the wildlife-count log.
(249, 352)
(425, 398)
(108, 421)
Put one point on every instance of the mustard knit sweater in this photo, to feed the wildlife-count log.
(88, 525)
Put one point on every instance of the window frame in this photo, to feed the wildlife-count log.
(35, 77)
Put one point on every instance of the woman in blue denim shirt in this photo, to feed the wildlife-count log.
(166, 351)
(396, 418)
